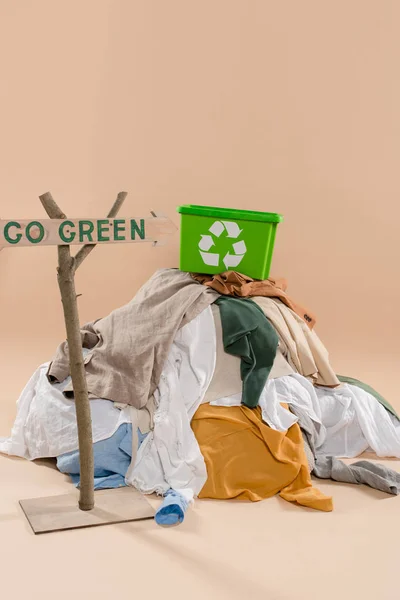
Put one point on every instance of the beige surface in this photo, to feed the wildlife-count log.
(282, 106)
(224, 550)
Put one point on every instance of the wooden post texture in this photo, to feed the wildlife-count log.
(67, 266)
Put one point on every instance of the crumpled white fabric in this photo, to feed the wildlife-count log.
(45, 425)
(355, 422)
(345, 421)
(170, 455)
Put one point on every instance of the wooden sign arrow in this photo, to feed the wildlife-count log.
(55, 232)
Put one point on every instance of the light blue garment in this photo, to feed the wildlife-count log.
(112, 458)
(172, 510)
(103, 483)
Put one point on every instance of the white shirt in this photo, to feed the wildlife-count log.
(346, 420)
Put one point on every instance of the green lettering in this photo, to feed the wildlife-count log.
(119, 225)
(102, 225)
(135, 229)
(67, 239)
(34, 240)
(7, 228)
(86, 229)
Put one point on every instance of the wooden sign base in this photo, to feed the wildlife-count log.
(59, 513)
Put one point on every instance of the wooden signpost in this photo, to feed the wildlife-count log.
(112, 506)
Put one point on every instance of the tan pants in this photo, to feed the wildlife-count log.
(302, 347)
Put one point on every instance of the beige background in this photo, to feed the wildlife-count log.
(279, 106)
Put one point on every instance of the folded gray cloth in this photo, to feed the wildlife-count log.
(375, 475)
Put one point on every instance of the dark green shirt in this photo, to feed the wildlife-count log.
(247, 333)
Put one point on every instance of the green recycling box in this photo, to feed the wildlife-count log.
(214, 240)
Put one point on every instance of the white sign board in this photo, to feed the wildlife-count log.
(50, 232)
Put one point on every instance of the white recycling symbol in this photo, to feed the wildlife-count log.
(212, 259)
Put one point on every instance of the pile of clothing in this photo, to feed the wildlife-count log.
(210, 387)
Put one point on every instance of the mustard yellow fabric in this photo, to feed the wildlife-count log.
(248, 460)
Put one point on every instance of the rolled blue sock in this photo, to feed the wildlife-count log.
(172, 510)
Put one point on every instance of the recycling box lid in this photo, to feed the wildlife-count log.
(229, 213)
